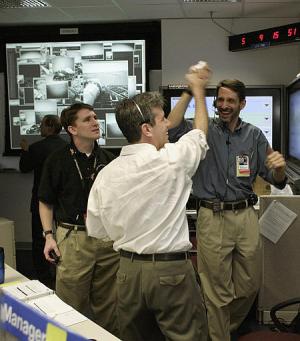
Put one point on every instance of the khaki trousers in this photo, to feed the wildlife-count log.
(229, 265)
(160, 301)
(86, 276)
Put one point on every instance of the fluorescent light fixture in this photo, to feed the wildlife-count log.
(23, 4)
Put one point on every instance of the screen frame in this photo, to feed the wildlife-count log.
(276, 91)
(291, 89)
(150, 32)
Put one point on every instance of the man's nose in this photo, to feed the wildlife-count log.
(168, 123)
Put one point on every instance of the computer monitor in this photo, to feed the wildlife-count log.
(293, 126)
(263, 108)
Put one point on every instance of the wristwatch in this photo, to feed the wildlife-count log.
(47, 232)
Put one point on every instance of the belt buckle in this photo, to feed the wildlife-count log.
(233, 205)
(216, 205)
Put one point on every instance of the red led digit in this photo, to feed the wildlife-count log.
(243, 41)
(292, 32)
(261, 37)
(276, 35)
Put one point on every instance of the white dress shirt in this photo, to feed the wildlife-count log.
(139, 199)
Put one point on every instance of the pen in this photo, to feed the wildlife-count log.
(40, 309)
(23, 292)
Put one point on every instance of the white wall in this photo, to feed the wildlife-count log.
(186, 41)
(15, 188)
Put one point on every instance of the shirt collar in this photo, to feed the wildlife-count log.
(78, 153)
(223, 124)
(135, 148)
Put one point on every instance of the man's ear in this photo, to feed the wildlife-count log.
(146, 129)
(242, 104)
(72, 130)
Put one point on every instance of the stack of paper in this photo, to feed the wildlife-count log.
(38, 296)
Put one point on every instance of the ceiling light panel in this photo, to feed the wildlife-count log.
(23, 4)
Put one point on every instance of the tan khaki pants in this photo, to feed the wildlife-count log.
(160, 301)
(229, 265)
(86, 276)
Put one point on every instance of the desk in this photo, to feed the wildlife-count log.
(87, 328)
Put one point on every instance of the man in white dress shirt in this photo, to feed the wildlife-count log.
(138, 201)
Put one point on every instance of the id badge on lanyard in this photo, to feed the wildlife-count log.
(242, 166)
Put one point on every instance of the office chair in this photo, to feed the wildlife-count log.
(286, 332)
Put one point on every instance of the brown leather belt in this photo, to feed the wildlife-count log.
(227, 206)
(159, 257)
(72, 226)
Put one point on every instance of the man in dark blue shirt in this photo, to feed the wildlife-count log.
(228, 240)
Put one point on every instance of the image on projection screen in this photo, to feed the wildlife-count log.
(45, 78)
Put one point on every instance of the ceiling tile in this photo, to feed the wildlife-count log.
(153, 11)
(228, 10)
(276, 10)
(146, 2)
(270, 2)
(32, 15)
(79, 3)
(87, 11)
(105, 13)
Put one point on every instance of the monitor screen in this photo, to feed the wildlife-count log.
(293, 131)
(44, 78)
(263, 107)
(258, 111)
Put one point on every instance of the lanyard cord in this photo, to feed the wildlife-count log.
(79, 171)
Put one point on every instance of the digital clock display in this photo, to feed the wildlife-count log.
(265, 38)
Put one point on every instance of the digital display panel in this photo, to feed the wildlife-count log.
(44, 78)
(265, 38)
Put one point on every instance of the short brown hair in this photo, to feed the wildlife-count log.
(69, 115)
(235, 85)
(50, 125)
(131, 113)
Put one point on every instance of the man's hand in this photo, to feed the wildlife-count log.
(276, 161)
(24, 145)
(49, 246)
(198, 76)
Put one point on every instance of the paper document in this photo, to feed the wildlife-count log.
(39, 297)
(57, 309)
(275, 221)
(28, 290)
(50, 305)
(70, 318)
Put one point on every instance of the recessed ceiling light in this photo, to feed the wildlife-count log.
(23, 3)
